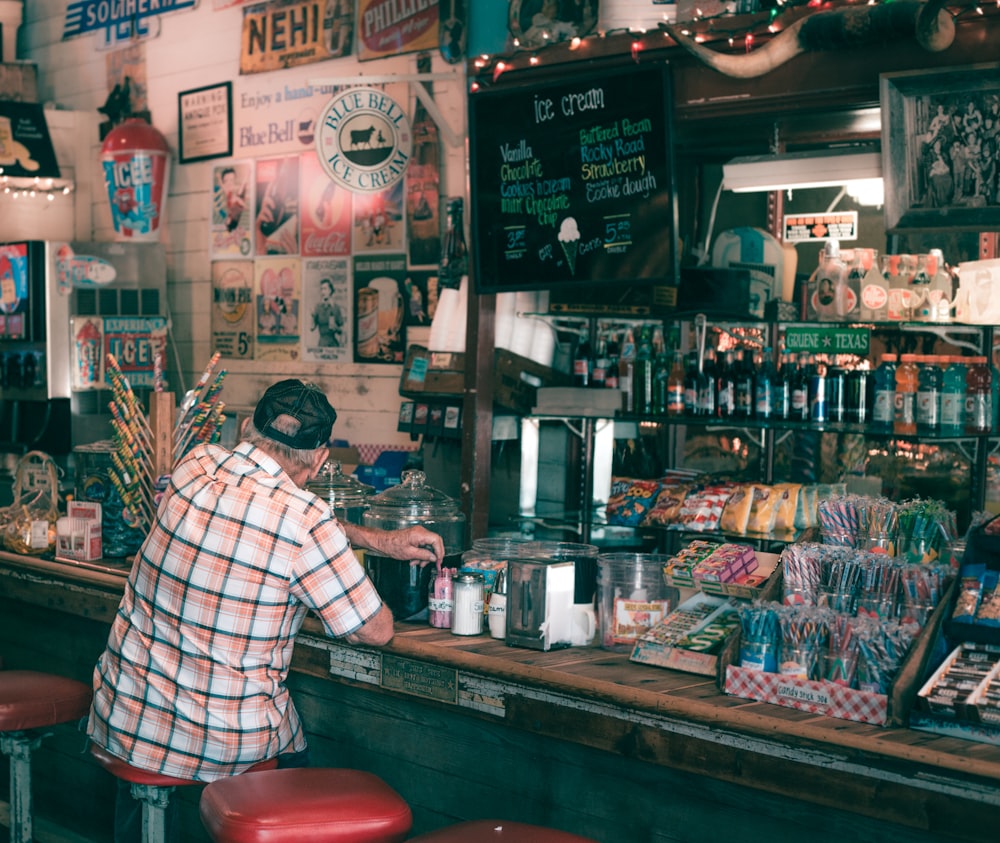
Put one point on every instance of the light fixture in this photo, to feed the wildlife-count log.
(820, 168)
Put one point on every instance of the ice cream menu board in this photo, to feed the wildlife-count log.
(573, 181)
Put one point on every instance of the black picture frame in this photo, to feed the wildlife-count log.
(941, 148)
(205, 122)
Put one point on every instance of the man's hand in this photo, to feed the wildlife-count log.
(413, 544)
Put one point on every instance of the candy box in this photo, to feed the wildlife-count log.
(78, 533)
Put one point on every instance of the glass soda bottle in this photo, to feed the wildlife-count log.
(907, 377)
(661, 375)
(706, 384)
(929, 380)
(884, 394)
(725, 387)
(743, 385)
(953, 396)
(626, 366)
(764, 382)
(675, 386)
(642, 373)
(783, 387)
(691, 384)
(978, 394)
(800, 390)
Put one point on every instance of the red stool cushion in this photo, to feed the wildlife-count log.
(297, 804)
(30, 700)
(125, 771)
(498, 831)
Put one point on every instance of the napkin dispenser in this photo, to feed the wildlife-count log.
(539, 602)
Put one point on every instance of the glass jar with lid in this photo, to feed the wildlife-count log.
(347, 497)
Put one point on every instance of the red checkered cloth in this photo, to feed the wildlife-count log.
(369, 451)
(806, 695)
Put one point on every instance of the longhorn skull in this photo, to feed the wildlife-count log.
(851, 26)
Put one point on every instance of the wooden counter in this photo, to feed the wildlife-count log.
(580, 739)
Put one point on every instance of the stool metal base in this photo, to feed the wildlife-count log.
(18, 746)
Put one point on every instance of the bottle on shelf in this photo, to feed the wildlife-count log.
(836, 394)
(784, 378)
(907, 376)
(929, 380)
(661, 374)
(800, 389)
(707, 373)
(884, 394)
(611, 373)
(857, 385)
(764, 384)
(675, 386)
(599, 372)
(978, 393)
(626, 365)
(691, 384)
(818, 408)
(455, 252)
(642, 373)
(953, 396)
(743, 385)
(582, 363)
(725, 387)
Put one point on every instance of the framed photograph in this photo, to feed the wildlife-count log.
(205, 122)
(940, 139)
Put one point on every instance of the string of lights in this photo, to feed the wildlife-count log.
(21, 187)
(734, 30)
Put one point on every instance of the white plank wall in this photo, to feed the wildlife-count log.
(196, 48)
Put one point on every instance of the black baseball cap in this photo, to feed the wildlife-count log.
(303, 401)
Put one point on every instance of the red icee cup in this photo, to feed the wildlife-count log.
(135, 161)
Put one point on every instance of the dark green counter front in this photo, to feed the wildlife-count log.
(579, 739)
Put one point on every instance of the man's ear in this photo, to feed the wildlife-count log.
(243, 427)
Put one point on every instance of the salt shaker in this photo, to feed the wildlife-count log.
(467, 616)
(497, 611)
(440, 600)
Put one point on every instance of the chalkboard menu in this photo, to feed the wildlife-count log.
(573, 180)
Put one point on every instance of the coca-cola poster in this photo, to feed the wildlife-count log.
(232, 210)
(276, 220)
(326, 211)
(327, 313)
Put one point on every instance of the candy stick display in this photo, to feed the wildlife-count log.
(804, 635)
(838, 520)
(193, 396)
(201, 420)
(801, 568)
(132, 458)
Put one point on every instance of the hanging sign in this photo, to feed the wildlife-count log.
(828, 339)
(286, 33)
(363, 140)
(119, 20)
(392, 28)
(802, 228)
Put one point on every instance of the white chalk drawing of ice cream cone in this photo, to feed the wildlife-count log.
(569, 239)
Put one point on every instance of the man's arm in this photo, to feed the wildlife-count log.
(414, 544)
(376, 631)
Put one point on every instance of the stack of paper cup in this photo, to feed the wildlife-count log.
(448, 326)
(11, 15)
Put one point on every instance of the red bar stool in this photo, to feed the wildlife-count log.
(32, 700)
(498, 831)
(302, 803)
(152, 790)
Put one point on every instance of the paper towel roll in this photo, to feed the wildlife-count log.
(505, 316)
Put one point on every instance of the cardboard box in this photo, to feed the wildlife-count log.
(78, 534)
(577, 401)
(820, 697)
(662, 647)
(767, 565)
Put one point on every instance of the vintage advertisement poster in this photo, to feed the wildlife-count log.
(378, 221)
(379, 333)
(389, 29)
(287, 33)
(276, 219)
(232, 210)
(423, 216)
(420, 295)
(136, 342)
(325, 211)
(277, 293)
(233, 311)
(326, 309)
(87, 333)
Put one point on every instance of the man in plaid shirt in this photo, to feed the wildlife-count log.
(192, 682)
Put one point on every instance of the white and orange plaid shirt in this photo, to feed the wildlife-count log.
(192, 683)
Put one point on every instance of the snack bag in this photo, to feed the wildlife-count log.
(787, 495)
(630, 500)
(737, 512)
(763, 509)
(667, 507)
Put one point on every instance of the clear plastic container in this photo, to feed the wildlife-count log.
(631, 597)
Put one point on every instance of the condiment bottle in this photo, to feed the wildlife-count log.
(467, 615)
(497, 609)
(440, 599)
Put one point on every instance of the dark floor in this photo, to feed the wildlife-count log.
(44, 832)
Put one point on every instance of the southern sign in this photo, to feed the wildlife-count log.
(119, 20)
(828, 339)
(363, 140)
